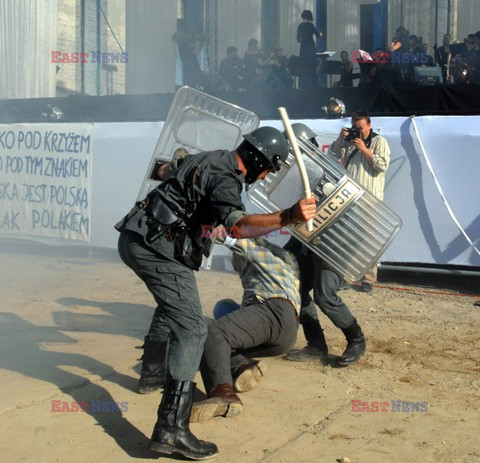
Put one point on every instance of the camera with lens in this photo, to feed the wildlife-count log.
(353, 133)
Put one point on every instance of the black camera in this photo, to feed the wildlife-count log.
(353, 133)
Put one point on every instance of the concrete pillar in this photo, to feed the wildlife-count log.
(453, 20)
(442, 19)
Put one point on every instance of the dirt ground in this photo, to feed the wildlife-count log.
(69, 327)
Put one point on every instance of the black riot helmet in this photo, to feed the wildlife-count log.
(304, 132)
(263, 149)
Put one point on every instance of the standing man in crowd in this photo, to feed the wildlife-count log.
(265, 325)
(366, 159)
(161, 240)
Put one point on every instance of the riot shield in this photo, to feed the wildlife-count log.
(351, 228)
(197, 122)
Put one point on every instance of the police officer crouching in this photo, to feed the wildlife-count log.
(161, 240)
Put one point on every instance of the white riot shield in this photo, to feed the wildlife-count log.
(198, 122)
(351, 228)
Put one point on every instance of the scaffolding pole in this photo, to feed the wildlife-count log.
(211, 30)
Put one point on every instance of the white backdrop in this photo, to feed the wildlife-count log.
(429, 235)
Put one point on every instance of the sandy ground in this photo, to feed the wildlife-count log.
(69, 327)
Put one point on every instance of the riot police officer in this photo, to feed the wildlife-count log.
(325, 282)
(161, 239)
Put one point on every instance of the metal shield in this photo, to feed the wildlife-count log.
(351, 228)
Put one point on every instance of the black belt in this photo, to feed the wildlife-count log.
(283, 299)
(258, 301)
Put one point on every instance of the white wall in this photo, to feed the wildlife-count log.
(343, 26)
(150, 25)
(468, 18)
(238, 22)
(28, 34)
(419, 18)
(247, 23)
(429, 234)
(122, 152)
(290, 11)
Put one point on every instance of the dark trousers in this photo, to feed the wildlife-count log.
(178, 316)
(314, 274)
(264, 329)
(308, 68)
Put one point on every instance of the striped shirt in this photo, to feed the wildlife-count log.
(371, 177)
(266, 270)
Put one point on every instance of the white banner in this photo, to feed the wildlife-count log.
(45, 180)
(429, 235)
(441, 221)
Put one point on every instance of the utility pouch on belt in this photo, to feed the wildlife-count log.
(184, 250)
(161, 220)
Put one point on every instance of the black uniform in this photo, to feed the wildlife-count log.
(161, 241)
(308, 55)
(325, 282)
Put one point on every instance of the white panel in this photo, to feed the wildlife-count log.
(420, 18)
(429, 235)
(468, 18)
(442, 19)
(426, 23)
(394, 18)
(122, 153)
(343, 29)
(290, 11)
(238, 22)
(28, 34)
(150, 25)
(343, 26)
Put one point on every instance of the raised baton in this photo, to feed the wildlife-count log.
(298, 157)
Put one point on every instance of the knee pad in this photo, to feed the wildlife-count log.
(224, 307)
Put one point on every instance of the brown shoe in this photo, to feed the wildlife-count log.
(249, 376)
(222, 401)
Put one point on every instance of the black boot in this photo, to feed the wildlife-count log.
(172, 433)
(154, 366)
(314, 333)
(316, 342)
(356, 345)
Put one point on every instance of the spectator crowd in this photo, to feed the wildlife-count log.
(257, 69)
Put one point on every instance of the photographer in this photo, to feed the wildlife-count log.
(366, 156)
